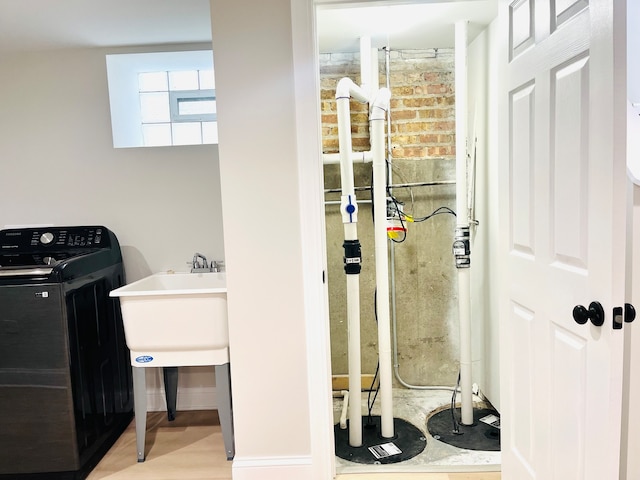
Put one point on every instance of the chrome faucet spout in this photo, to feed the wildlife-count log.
(196, 265)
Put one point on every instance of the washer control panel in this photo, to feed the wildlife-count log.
(55, 238)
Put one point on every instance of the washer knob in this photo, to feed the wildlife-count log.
(46, 238)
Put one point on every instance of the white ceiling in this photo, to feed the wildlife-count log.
(428, 24)
(48, 24)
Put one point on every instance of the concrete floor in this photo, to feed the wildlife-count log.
(415, 406)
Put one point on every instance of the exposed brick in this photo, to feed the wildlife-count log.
(403, 115)
(327, 94)
(403, 91)
(360, 144)
(359, 118)
(441, 151)
(417, 102)
(422, 117)
(436, 113)
(429, 138)
(439, 88)
(329, 119)
(445, 126)
(410, 152)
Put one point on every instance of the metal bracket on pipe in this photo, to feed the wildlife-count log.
(462, 247)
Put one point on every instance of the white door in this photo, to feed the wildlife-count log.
(563, 215)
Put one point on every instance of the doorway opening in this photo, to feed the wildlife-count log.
(417, 64)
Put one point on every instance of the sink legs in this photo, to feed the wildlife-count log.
(223, 398)
(225, 408)
(171, 390)
(140, 408)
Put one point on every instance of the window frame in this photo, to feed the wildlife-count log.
(122, 76)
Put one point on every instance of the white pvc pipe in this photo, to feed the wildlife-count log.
(349, 208)
(373, 69)
(377, 118)
(462, 221)
(343, 413)
(356, 157)
(365, 65)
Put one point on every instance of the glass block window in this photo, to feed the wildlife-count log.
(162, 98)
(178, 107)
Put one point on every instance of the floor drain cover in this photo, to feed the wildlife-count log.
(484, 434)
(408, 442)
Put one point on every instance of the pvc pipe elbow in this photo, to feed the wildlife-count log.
(380, 104)
(346, 88)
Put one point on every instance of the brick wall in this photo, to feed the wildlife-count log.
(422, 102)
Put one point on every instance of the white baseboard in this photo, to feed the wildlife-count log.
(272, 468)
(195, 398)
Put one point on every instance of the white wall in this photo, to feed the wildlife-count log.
(630, 461)
(269, 269)
(58, 166)
(484, 291)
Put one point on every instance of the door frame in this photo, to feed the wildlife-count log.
(311, 197)
(307, 81)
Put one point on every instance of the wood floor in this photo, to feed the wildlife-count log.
(191, 448)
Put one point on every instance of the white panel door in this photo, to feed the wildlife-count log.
(563, 210)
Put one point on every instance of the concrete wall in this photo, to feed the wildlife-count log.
(423, 150)
(59, 167)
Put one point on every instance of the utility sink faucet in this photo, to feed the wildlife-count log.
(196, 265)
(199, 264)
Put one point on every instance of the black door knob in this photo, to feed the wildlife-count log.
(629, 313)
(595, 313)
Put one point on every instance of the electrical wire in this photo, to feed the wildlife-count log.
(456, 426)
(400, 217)
(437, 211)
(370, 402)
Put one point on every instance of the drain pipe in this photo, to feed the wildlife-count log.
(379, 109)
(356, 157)
(352, 253)
(462, 244)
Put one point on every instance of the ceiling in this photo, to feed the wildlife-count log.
(28, 25)
(428, 24)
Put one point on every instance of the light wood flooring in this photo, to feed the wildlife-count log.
(191, 448)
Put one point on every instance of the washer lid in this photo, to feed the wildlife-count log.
(25, 272)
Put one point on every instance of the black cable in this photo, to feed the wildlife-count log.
(437, 211)
(400, 217)
(456, 426)
(371, 403)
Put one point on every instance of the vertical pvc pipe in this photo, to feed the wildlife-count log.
(353, 281)
(462, 222)
(365, 65)
(377, 117)
(374, 74)
(349, 208)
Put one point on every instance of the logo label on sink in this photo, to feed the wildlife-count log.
(144, 359)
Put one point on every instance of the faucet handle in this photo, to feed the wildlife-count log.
(217, 265)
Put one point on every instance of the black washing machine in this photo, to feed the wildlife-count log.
(65, 376)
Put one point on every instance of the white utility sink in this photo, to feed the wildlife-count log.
(176, 319)
(173, 320)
